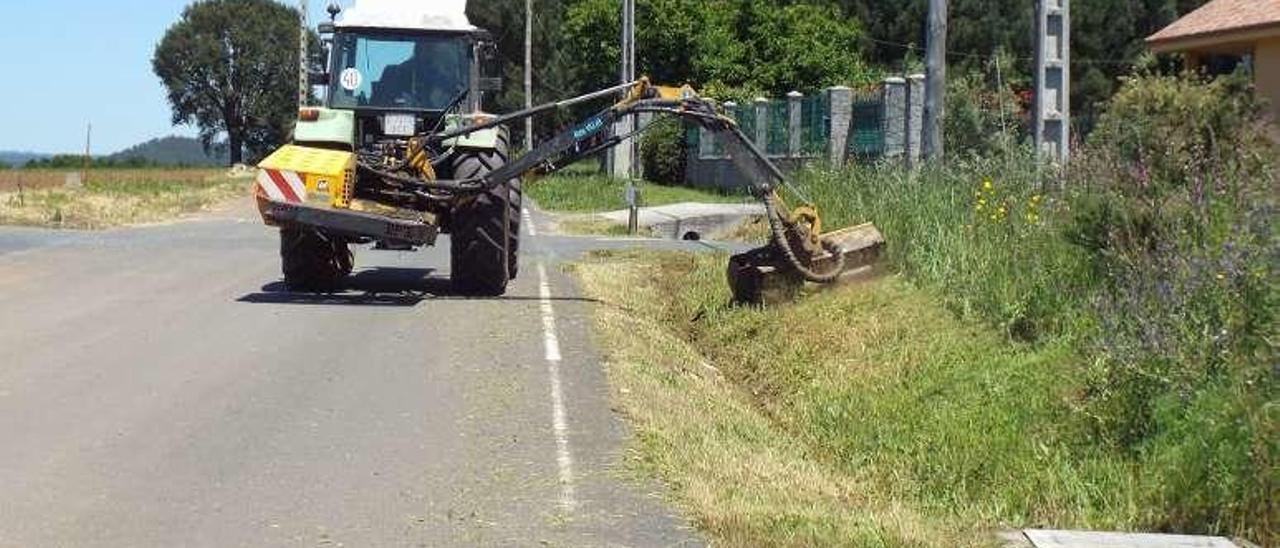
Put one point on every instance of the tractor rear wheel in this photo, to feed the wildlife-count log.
(485, 232)
(313, 261)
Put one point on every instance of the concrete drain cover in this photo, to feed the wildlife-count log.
(1086, 539)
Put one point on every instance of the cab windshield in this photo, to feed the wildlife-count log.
(411, 72)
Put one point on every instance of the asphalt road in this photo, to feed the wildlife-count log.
(159, 387)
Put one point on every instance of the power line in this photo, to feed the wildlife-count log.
(988, 57)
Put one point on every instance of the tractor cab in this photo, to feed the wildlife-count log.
(395, 74)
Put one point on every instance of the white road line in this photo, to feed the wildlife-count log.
(559, 419)
(528, 222)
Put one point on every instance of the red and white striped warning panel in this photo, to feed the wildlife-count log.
(281, 186)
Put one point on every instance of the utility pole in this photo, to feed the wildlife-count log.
(88, 157)
(935, 86)
(623, 164)
(304, 74)
(528, 73)
(1052, 109)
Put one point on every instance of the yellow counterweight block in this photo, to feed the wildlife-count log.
(327, 175)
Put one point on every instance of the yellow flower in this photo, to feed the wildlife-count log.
(987, 185)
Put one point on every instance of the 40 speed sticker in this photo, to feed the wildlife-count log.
(351, 79)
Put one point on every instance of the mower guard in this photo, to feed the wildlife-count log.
(355, 225)
(763, 276)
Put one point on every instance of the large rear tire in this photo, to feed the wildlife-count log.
(312, 261)
(485, 232)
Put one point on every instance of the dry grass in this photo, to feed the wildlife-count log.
(113, 197)
(39, 179)
(755, 231)
(590, 225)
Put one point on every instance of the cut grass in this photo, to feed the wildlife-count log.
(120, 198)
(870, 416)
(588, 193)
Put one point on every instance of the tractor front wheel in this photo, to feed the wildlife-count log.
(313, 261)
(485, 236)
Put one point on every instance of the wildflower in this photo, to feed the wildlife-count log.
(987, 185)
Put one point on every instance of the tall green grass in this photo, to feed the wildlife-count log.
(982, 231)
(1155, 265)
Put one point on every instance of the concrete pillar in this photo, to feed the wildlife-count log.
(1052, 109)
(895, 116)
(840, 105)
(915, 117)
(622, 161)
(795, 127)
(762, 123)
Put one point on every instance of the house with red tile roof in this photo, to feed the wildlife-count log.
(1224, 34)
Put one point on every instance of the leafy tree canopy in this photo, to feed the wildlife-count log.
(227, 67)
(765, 46)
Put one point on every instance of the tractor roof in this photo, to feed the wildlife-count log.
(439, 15)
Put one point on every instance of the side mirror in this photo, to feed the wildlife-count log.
(490, 84)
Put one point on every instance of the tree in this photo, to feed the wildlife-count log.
(551, 63)
(760, 46)
(230, 67)
(1107, 36)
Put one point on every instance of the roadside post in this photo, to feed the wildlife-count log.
(633, 208)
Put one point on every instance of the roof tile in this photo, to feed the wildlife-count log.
(1221, 16)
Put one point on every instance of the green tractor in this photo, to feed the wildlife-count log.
(385, 86)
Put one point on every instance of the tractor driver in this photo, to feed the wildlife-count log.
(428, 79)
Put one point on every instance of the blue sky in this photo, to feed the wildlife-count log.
(68, 63)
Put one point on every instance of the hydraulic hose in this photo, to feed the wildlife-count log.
(778, 230)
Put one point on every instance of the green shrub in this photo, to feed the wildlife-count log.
(981, 119)
(1178, 199)
(664, 152)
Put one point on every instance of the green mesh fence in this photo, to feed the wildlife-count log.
(692, 138)
(746, 117)
(778, 142)
(815, 127)
(866, 131)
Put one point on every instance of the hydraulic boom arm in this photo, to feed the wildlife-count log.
(795, 233)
